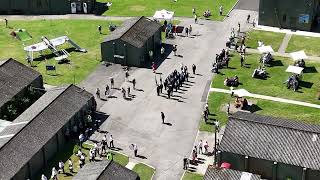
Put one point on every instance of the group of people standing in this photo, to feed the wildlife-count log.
(174, 81)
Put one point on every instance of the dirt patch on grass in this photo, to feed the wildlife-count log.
(137, 8)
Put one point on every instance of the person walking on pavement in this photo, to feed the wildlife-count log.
(98, 93)
(123, 93)
(185, 163)
(200, 147)
(128, 90)
(112, 82)
(107, 90)
(190, 29)
(194, 67)
(111, 142)
(238, 28)
(162, 117)
(135, 149)
(187, 31)
(248, 18)
(206, 146)
(153, 66)
(134, 83)
(127, 75)
(175, 50)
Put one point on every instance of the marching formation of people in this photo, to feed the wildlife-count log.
(174, 81)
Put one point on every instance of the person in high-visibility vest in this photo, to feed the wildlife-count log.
(109, 156)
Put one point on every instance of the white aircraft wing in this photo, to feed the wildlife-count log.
(36, 47)
(58, 41)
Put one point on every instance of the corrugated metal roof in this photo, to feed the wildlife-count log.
(38, 131)
(105, 170)
(214, 173)
(14, 77)
(273, 139)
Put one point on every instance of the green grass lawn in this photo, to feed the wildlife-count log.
(192, 176)
(69, 152)
(273, 86)
(268, 38)
(181, 7)
(145, 172)
(216, 113)
(120, 158)
(311, 45)
(83, 32)
(218, 101)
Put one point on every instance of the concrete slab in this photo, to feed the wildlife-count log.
(130, 165)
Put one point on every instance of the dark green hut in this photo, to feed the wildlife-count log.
(294, 14)
(36, 7)
(131, 43)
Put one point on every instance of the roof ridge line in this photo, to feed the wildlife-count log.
(33, 118)
(277, 125)
(131, 27)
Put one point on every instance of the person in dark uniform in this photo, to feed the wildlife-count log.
(162, 117)
(242, 60)
(100, 29)
(134, 83)
(194, 67)
(6, 22)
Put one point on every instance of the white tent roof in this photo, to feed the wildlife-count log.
(265, 49)
(163, 14)
(241, 92)
(294, 69)
(298, 55)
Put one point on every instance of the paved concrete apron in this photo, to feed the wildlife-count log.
(138, 121)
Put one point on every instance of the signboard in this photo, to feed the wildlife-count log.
(304, 18)
(118, 56)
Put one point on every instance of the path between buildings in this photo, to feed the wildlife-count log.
(270, 98)
(205, 159)
(284, 44)
(256, 51)
(287, 31)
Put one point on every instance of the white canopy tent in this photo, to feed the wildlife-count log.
(298, 55)
(163, 15)
(242, 93)
(265, 49)
(294, 69)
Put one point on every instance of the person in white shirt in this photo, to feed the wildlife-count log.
(61, 167)
(260, 43)
(54, 174)
(220, 10)
(200, 147)
(70, 166)
(43, 177)
(206, 147)
(111, 142)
